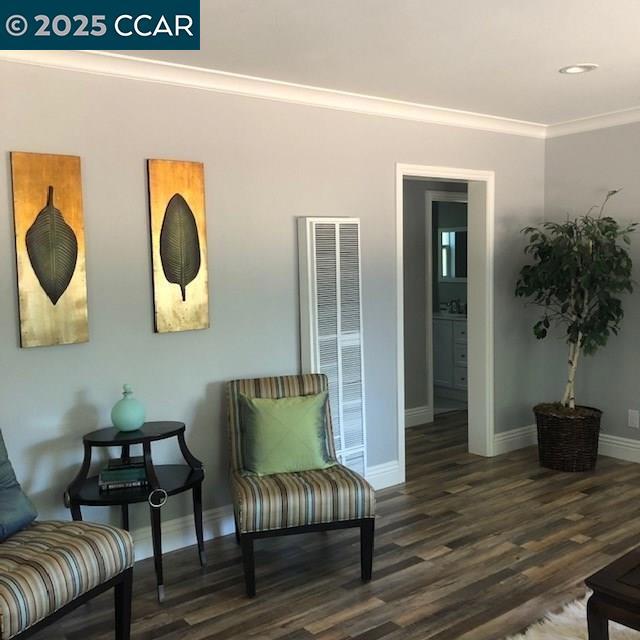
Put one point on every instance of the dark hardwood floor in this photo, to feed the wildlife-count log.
(469, 548)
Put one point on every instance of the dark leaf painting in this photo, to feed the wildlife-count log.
(179, 244)
(52, 249)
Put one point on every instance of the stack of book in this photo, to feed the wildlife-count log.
(123, 474)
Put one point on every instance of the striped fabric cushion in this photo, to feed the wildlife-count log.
(282, 500)
(49, 564)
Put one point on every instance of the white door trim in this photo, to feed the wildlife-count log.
(430, 198)
(481, 196)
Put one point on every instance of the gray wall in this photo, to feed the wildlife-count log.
(415, 317)
(266, 163)
(580, 169)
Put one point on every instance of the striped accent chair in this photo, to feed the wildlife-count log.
(50, 568)
(287, 503)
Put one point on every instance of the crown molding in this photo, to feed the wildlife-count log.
(141, 69)
(592, 123)
(132, 68)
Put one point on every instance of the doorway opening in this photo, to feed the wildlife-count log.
(445, 298)
(446, 262)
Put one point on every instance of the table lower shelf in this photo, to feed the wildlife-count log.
(173, 478)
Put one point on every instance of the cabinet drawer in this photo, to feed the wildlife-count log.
(460, 355)
(460, 377)
(460, 332)
(443, 353)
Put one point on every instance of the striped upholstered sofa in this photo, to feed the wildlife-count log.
(287, 503)
(49, 568)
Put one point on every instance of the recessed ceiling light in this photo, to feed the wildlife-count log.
(579, 68)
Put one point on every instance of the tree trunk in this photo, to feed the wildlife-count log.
(567, 388)
(569, 397)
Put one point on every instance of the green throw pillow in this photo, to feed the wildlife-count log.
(284, 435)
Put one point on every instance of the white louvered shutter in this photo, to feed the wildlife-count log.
(331, 325)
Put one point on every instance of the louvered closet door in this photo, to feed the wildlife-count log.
(330, 300)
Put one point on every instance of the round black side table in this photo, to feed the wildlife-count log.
(163, 481)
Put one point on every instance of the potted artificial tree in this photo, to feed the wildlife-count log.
(580, 267)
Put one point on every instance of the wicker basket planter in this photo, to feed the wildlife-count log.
(568, 441)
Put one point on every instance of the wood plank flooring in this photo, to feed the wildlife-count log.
(469, 548)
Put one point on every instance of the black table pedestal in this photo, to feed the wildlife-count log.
(163, 481)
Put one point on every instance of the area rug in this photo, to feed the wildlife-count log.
(571, 624)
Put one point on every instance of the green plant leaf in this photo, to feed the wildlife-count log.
(52, 247)
(179, 244)
(575, 273)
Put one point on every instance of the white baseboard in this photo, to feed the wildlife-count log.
(417, 415)
(609, 445)
(618, 447)
(514, 439)
(179, 532)
(385, 475)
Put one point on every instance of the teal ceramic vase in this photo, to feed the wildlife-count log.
(127, 414)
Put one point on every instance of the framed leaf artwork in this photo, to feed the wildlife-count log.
(178, 245)
(50, 249)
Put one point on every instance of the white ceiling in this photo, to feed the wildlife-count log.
(497, 57)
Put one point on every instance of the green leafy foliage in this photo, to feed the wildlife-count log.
(578, 272)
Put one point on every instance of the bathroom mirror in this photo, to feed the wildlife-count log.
(452, 254)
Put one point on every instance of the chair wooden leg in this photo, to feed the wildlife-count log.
(122, 592)
(246, 544)
(366, 548)
(235, 520)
